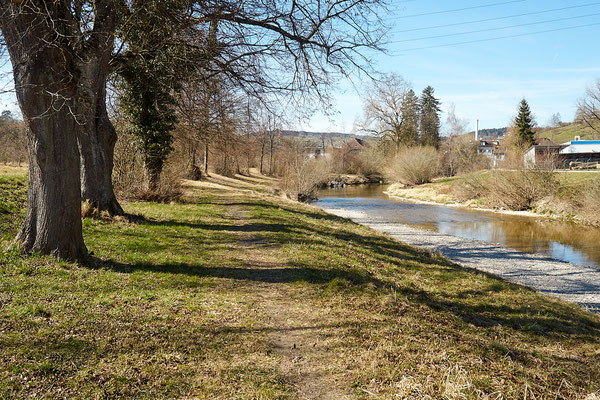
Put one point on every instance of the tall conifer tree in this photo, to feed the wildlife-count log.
(524, 124)
(429, 118)
(410, 124)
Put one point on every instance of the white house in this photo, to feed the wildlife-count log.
(582, 147)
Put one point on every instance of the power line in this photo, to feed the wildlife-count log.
(499, 38)
(494, 29)
(498, 18)
(461, 9)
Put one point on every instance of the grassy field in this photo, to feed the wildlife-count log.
(235, 294)
(568, 133)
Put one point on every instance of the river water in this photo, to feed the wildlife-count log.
(560, 240)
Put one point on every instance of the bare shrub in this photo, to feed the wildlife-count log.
(345, 161)
(169, 187)
(460, 156)
(516, 190)
(471, 187)
(130, 180)
(520, 189)
(591, 201)
(514, 152)
(548, 161)
(372, 159)
(302, 177)
(128, 171)
(414, 165)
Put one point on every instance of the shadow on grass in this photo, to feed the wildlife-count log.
(292, 272)
(315, 215)
(300, 328)
(288, 232)
(547, 320)
(484, 309)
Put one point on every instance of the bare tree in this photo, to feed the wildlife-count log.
(385, 106)
(588, 108)
(555, 120)
(273, 135)
(301, 175)
(200, 105)
(454, 124)
(266, 133)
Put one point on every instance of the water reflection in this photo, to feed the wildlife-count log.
(559, 240)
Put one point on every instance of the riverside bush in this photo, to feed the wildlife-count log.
(516, 190)
(303, 176)
(414, 165)
(473, 186)
(129, 174)
(591, 201)
(519, 190)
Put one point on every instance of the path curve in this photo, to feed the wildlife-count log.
(571, 282)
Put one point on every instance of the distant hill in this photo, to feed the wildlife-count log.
(568, 132)
(333, 139)
(320, 134)
(490, 133)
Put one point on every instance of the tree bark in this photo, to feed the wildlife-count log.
(97, 138)
(206, 158)
(51, 61)
(46, 90)
(153, 177)
(53, 221)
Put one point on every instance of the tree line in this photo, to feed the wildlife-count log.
(65, 54)
(393, 111)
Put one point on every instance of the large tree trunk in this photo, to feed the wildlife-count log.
(47, 50)
(97, 140)
(153, 174)
(97, 137)
(53, 221)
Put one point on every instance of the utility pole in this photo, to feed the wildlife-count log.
(477, 131)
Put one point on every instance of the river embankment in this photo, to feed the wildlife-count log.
(341, 180)
(413, 195)
(571, 282)
(570, 196)
(551, 257)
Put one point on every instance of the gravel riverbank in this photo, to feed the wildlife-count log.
(576, 283)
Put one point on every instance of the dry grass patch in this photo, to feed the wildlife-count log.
(430, 192)
(238, 294)
(13, 169)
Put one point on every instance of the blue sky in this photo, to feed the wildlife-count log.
(486, 80)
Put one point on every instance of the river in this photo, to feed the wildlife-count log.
(562, 241)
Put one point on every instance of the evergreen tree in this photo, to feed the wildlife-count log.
(409, 131)
(148, 80)
(524, 124)
(147, 102)
(429, 118)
